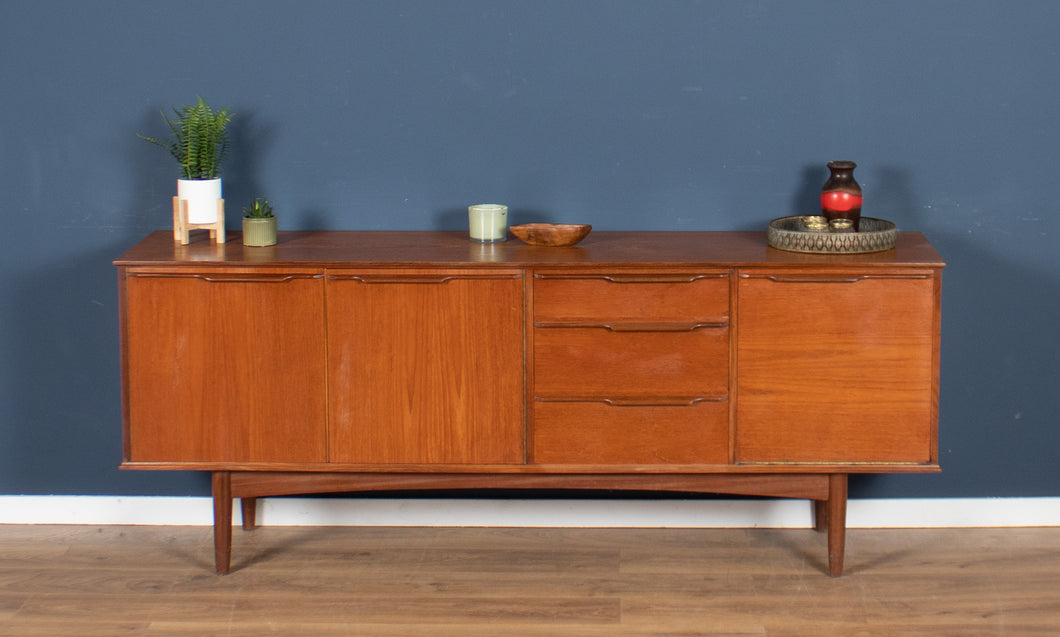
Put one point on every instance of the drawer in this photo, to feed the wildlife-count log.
(603, 433)
(608, 361)
(631, 296)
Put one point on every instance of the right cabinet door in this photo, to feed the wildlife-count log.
(836, 367)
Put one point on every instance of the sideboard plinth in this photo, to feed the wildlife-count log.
(827, 491)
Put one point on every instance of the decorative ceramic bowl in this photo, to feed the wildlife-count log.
(551, 234)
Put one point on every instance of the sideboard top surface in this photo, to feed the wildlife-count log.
(451, 248)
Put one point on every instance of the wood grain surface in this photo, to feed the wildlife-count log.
(88, 581)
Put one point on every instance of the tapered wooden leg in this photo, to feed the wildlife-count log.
(250, 513)
(837, 522)
(820, 515)
(222, 521)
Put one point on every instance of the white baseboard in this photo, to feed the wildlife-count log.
(198, 511)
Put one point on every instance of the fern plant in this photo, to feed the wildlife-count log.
(199, 140)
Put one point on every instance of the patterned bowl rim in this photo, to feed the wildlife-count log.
(881, 237)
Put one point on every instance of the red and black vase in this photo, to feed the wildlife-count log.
(841, 194)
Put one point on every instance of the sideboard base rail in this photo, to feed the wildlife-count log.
(828, 491)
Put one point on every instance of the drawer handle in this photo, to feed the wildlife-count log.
(830, 278)
(812, 278)
(279, 278)
(640, 327)
(228, 278)
(418, 279)
(660, 278)
(637, 278)
(649, 401)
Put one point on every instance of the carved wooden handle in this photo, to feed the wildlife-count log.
(428, 279)
(637, 278)
(257, 277)
(635, 401)
(830, 278)
(658, 401)
(660, 278)
(660, 326)
(814, 278)
(262, 278)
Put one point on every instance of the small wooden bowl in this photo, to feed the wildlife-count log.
(551, 234)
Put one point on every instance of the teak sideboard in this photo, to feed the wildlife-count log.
(702, 362)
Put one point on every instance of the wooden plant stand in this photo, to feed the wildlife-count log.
(182, 228)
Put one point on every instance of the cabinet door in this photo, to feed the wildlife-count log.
(425, 366)
(836, 367)
(225, 365)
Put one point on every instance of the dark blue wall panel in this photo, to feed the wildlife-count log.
(626, 114)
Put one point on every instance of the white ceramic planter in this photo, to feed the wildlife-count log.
(202, 196)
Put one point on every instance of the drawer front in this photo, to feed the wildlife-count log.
(607, 361)
(631, 296)
(606, 433)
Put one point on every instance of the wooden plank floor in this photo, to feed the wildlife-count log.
(113, 580)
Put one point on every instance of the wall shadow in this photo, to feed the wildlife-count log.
(66, 432)
(1000, 309)
(250, 141)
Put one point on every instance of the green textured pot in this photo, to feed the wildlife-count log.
(259, 231)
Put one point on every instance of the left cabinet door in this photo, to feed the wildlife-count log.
(224, 365)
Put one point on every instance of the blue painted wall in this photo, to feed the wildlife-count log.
(627, 114)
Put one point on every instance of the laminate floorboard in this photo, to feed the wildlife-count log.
(159, 581)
